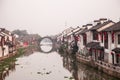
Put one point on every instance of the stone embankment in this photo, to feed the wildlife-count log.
(100, 65)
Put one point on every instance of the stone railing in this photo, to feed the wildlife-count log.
(108, 66)
(83, 57)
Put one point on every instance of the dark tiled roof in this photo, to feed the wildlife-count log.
(1, 34)
(77, 31)
(84, 30)
(102, 19)
(116, 50)
(115, 27)
(94, 45)
(5, 31)
(100, 25)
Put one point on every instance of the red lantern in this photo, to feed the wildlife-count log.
(105, 36)
(99, 51)
(90, 50)
(112, 37)
(101, 35)
(95, 50)
(117, 54)
(111, 53)
(78, 37)
(97, 37)
(84, 36)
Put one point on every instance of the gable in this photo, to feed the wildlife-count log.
(106, 26)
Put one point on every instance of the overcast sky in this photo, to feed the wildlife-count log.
(48, 17)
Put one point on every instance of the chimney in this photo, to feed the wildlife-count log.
(84, 26)
(102, 20)
(97, 22)
(78, 27)
(89, 26)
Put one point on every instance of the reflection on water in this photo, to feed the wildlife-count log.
(45, 48)
(5, 73)
(81, 71)
(40, 66)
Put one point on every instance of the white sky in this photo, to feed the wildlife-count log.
(48, 17)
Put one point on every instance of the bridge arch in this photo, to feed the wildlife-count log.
(47, 37)
(44, 38)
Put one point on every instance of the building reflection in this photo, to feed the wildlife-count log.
(69, 62)
(6, 71)
(82, 72)
(11, 66)
(30, 50)
(47, 48)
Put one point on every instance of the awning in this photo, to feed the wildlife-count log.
(95, 45)
(116, 50)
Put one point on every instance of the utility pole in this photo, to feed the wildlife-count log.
(65, 23)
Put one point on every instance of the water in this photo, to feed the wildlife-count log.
(39, 66)
(46, 49)
(81, 71)
(51, 66)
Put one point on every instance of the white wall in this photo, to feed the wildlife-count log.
(6, 35)
(89, 36)
(0, 51)
(81, 42)
(6, 51)
(10, 38)
(108, 51)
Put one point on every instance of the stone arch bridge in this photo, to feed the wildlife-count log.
(53, 40)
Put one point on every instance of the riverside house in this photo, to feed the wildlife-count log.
(1, 45)
(114, 43)
(71, 36)
(99, 45)
(96, 40)
(85, 37)
(93, 40)
(7, 43)
(63, 36)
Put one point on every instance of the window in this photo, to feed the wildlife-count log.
(84, 39)
(106, 40)
(119, 39)
(95, 35)
(102, 38)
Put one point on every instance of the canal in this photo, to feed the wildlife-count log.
(40, 65)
